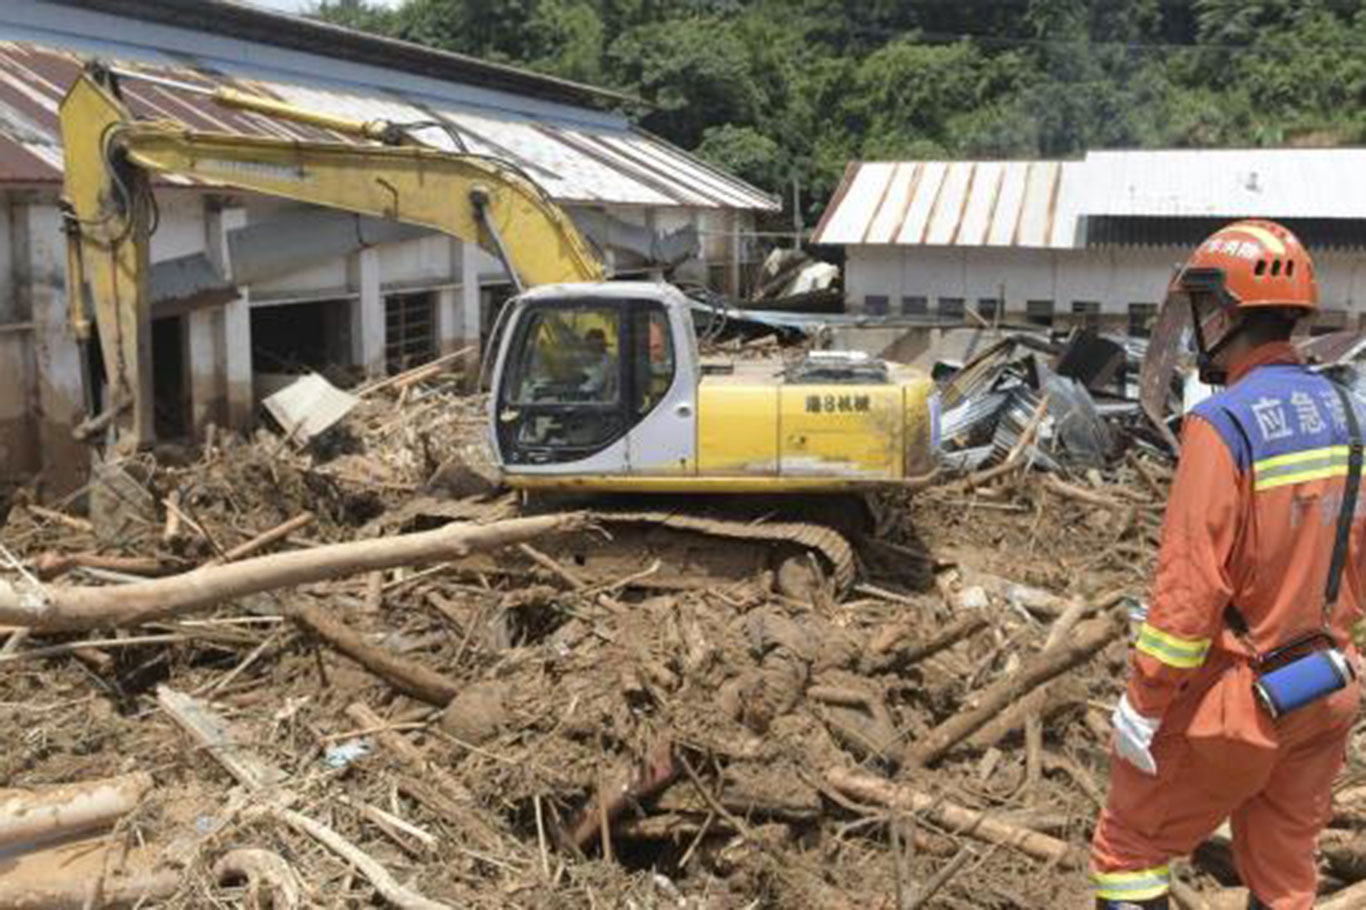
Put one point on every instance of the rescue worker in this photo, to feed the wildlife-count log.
(1246, 544)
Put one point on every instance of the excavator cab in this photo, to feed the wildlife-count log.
(595, 379)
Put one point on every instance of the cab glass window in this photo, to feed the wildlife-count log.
(570, 356)
(654, 363)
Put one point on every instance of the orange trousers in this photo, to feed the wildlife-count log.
(1278, 797)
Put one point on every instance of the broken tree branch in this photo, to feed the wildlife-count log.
(27, 816)
(1090, 638)
(266, 538)
(867, 788)
(69, 609)
(73, 893)
(463, 812)
(51, 565)
(404, 675)
(885, 655)
(388, 887)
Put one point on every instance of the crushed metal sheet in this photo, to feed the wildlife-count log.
(307, 406)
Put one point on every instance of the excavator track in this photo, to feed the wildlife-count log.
(833, 547)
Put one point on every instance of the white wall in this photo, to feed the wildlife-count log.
(1115, 278)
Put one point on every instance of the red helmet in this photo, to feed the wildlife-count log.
(1248, 265)
(1253, 263)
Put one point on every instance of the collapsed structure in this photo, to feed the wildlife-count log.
(247, 287)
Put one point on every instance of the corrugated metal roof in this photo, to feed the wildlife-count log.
(1067, 204)
(1226, 183)
(952, 203)
(575, 162)
(298, 32)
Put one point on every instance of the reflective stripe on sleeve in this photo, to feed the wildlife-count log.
(1182, 653)
(1299, 467)
(1142, 885)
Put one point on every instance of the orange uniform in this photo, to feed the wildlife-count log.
(1250, 522)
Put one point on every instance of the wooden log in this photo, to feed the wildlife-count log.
(52, 565)
(266, 538)
(28, 816)
(65, 892)
(404, 675)
(869, 789)
(79, 608)
(1090, 638)
(76, 524)
(885, 655)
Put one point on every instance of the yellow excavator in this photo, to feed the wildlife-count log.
(596, 386)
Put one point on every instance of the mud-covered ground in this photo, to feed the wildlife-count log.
(649, 737)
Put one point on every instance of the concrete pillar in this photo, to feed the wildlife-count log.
(367, 314)
(733, 273)
(450, 325)
(471, 310)
(40, 260)
(233, 328)
(208, 384)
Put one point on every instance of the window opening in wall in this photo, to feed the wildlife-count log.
(409, 330)
(988, 308)
(295, 337)
(915, 305)
(1086, 313)
(875, 304)
(1039, 312)
(951, 307)
(1142, 317)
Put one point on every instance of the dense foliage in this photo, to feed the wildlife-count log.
(784, 90)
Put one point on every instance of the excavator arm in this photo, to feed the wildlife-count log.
(110, 212)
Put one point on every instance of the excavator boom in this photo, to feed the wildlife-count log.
(110, 155)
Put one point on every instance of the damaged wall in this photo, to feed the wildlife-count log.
(206, 355)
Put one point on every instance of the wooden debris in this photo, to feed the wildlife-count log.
(384, 882)
(266, 538)
(980, 825)
(619, 791)
(30, 816)
(65, 609)
(404, 675)
(215, 735)
(53, 565)
(264, 873)
(1091, 637)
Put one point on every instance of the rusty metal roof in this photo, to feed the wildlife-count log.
(951, 203)
(582, 161)
(1150, 197)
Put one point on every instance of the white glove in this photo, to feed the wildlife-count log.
(1134, 736)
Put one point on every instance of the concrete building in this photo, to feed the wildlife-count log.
(1090, 240)
(315, 288)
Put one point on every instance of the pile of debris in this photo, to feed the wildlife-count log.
(1062, 404)
(244, 686)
